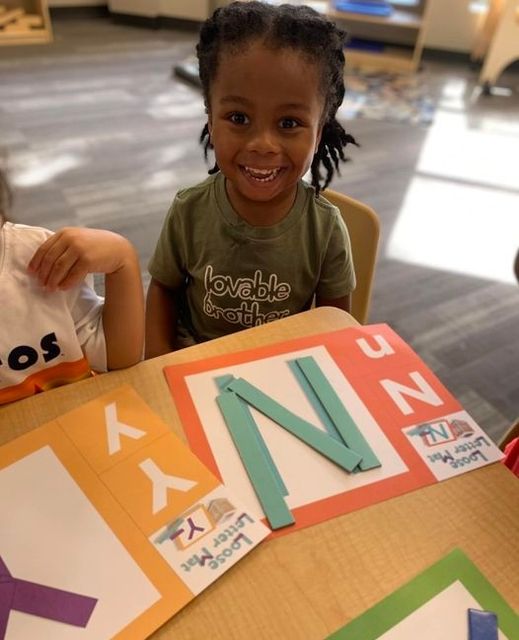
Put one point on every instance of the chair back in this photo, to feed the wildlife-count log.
(364, 231)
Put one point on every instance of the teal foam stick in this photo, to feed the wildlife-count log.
(222, 383)
(258, 470)
(308, 433)
(314, 400)
(338, 413)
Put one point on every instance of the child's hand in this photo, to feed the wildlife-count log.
(65, 259)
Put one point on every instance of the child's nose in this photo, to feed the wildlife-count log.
(263, 140)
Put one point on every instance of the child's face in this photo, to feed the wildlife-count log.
(265, 122)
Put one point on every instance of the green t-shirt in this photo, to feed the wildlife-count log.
(236, 275)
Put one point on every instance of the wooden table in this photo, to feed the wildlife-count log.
(307, 584)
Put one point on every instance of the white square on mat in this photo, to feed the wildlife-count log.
(51, 534)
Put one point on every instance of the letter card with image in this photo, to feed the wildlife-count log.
(110, 525)
(312, 428)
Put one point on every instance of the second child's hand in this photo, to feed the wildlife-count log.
(67, 257)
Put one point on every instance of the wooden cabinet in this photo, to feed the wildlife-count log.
(393, 43)
(24, 22)
(497, 43)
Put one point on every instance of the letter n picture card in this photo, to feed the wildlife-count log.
(313, 428)
(110, 525)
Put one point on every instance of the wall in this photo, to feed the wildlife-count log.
(186, 9)
(452, 25)
(76, 3)
(147, 8)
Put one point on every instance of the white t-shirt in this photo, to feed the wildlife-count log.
(46, 338)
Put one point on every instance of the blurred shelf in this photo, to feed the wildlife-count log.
(398, 59)
(26, 22)
(412, 20)
(398, 18)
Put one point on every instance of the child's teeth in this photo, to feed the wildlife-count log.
(262, 175)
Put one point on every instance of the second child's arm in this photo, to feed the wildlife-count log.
(65, 259)
(123, 313)
(161, 319)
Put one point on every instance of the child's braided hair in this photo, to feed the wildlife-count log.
(300, 28)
